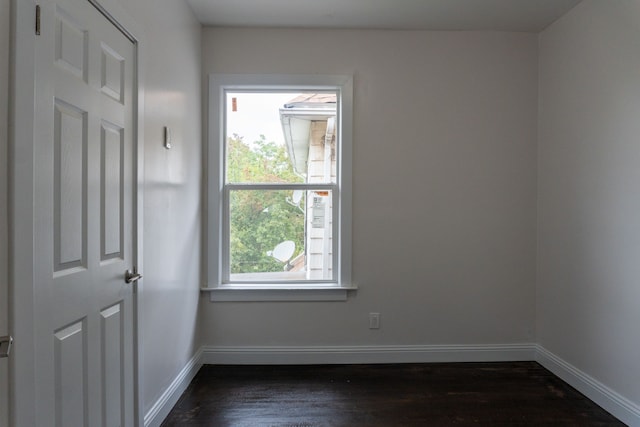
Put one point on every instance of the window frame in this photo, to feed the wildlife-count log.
(217, 214)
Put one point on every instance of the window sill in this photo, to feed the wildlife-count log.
(257, 293)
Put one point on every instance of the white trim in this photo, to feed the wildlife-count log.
(161, 408)
(301, 355)
(345, 215)
(21, 170)
(216, 212)
(121, 19)
(302, 293)
(616, 404)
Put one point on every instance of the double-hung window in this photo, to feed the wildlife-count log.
(279, 187)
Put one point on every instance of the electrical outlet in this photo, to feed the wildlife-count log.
(374, 320)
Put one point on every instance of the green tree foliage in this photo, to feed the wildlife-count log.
(260, 219)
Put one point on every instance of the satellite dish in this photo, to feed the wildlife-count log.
(283, 251)
(297, 196)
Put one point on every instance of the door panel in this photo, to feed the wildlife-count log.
(113, 356)
(84, 181)
(111, 192)
(71, 44)
(70, 186)
(70, 375)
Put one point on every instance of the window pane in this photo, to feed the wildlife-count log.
(280, 137)
(278, 235)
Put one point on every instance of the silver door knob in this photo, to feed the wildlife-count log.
(132, 276)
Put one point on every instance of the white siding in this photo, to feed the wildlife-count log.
(319, 240)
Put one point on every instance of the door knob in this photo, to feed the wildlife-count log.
(132, 276)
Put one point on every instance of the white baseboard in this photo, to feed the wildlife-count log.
(622, 408)
(291, 355)
(619, 406)
(159, 411)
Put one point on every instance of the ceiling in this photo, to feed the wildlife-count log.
(495, 15)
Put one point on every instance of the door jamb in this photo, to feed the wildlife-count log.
(20, 196)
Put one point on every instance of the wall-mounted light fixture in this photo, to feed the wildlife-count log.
(167, 137)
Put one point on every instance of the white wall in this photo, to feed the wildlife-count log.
(172, 186)
(589, 192)
(4, 274)
(444, 178)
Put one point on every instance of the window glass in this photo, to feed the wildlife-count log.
(280, 167)
(280, 137)
(280, 235)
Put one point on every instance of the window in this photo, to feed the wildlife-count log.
(279, 187)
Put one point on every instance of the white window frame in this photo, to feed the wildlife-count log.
(335, 290)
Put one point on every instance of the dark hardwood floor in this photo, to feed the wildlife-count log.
(439, 394)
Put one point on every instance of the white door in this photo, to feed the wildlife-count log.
(84, 218)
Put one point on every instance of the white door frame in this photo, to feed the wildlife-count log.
(21, 213)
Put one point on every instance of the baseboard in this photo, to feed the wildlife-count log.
(622, 408)
(159, 411)
(619, 406)
(292, 355)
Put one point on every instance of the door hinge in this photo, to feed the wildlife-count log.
(5, 346)
(37, 20)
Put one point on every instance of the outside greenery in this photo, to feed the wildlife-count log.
(260, 219)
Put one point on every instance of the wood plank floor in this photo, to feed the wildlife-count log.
(447, 394)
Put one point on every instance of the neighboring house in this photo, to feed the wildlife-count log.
(309, 126)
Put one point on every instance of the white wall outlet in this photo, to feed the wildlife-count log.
(374, 320)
